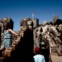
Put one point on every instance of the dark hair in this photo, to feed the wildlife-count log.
(51, 23)
(7, 25)
(41, 30)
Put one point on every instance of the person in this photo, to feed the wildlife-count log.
(38, 57)
(44, 45)
(24, 50)
(6, 45)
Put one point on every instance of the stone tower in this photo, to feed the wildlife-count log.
(35, 22)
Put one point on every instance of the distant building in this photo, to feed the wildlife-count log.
(35, 22)
(55, 18)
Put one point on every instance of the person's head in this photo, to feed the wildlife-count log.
(24, 23)
(7, 23)
(6, 26)
(30, 24)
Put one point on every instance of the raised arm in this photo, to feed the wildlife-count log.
(13, 32)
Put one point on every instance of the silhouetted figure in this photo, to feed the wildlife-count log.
(24, 49)
(44, 45)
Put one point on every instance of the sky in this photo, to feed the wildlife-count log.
(19, 9)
